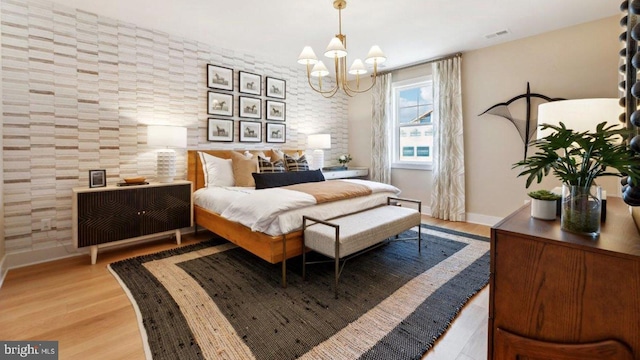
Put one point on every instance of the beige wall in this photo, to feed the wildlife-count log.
(576, 62)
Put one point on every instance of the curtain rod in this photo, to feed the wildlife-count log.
(450, 56)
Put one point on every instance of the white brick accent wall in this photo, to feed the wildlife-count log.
(78, 91)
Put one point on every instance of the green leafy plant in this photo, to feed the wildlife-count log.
(578, 158)
(544, 195)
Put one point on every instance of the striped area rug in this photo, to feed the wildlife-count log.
(213, 300)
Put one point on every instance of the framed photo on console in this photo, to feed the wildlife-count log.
(276, 133)
(250, 107)
(276, 110)
(97, 178)
(219, 77)
(219, 104)
(276, 88)
(250, 83)
(220, 130)
(250, 131)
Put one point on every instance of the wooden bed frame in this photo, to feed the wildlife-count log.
(267, 247)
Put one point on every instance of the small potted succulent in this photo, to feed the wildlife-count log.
(544, 204)
(344, 160)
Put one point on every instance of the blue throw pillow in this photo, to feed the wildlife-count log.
(270, 180)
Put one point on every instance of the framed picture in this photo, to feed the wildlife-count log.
(250, 131)
(97, 178)
(276, 133)
(250, 83)
(219, 130)
(276, 88)
(219, 77)
(276, 110)
(219, 104)
(250, 107)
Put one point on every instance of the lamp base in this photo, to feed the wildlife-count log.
(166, 167)
(318, 159)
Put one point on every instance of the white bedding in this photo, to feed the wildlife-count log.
(279, 211)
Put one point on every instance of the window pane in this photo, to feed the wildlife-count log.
(405, 115)
(413, 101)
(416, 142)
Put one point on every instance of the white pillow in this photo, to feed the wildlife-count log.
(217, 171)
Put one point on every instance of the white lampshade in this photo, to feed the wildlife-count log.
(167, 137)
(319, 141)
(357, 68)
(579, 115)
(375, 55)
(335, 49)
(319, 70)
(307, 56)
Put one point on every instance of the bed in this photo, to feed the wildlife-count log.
(273, 248)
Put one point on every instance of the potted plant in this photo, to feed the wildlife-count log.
(344, 160)
(544, 204)
(577, 159)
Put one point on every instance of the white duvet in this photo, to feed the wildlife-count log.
(278, 211)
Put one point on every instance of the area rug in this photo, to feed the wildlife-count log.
(213, 300)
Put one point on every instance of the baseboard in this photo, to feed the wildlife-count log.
(26, 258)
(483, 219)
(471, 217)
(33, 257)
(3, 269)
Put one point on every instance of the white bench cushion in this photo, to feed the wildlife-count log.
(361, 230)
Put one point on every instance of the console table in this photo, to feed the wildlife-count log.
(349, 173)
(116, 214)
(558, 295)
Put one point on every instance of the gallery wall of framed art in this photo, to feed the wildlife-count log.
(247, 100)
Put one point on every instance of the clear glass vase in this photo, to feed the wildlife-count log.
(581, 208)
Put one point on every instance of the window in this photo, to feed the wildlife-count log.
(413, 130)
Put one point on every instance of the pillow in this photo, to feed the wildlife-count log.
(265, 166)
(242, 169)
(249, 155)
(270, 180)
(277, 154)
(299, 164)
(217, 171)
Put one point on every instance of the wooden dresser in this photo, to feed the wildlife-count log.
(557, 295)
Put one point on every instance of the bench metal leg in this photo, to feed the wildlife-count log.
(419, 238)
(337, 262)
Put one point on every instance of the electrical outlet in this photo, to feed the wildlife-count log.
(45, 224)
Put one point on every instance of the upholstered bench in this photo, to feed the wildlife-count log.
(347, 236)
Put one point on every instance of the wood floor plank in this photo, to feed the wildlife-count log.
(84, 308)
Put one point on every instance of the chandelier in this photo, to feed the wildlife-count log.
(337, 50)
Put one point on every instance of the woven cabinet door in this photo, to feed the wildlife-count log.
(165, 208)
(106, 216)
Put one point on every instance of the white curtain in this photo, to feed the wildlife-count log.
(448, 197)
(380, 155)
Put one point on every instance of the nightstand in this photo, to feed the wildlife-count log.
(118, 214)
(349, 173)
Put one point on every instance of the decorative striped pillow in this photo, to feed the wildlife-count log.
(265, 166)
(299, 164)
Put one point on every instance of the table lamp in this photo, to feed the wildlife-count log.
(167, 137)
(319, 142)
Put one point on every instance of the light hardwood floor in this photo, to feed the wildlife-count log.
(85, 309)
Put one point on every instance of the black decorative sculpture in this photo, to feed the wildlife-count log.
(526, 127)
(631, 88)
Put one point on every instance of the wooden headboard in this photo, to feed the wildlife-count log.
(194, 166)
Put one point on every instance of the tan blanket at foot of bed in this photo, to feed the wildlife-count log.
(326, 191)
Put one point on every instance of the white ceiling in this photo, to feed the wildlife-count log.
(408, 31)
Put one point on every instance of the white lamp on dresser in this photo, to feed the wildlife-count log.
(167, 137)
(319, 142)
